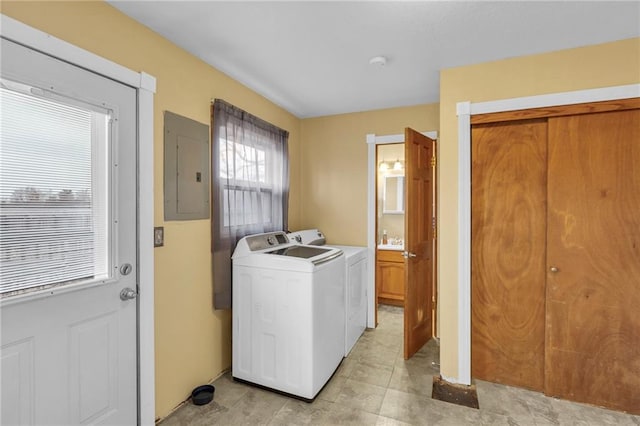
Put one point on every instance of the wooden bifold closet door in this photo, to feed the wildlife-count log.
(556, 256)
(508, 247)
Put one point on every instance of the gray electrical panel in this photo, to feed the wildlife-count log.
(186, 168)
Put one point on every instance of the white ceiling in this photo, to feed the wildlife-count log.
(312, 58)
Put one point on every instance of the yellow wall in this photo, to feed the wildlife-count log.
(609, 64)
(334, 165)
(192, 340)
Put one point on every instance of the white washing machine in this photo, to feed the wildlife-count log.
(355, 280)
(288, 328)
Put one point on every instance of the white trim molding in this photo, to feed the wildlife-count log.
(372, 172)
(145, 86)
(464, 235)
(556, 99)
(146, 300)
(21, 33)
(465, 110)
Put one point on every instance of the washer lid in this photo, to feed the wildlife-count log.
(276, 247)
(313, 254)
(304, 252)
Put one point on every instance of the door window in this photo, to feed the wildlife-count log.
(54, 190)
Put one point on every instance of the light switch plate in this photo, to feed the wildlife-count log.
(158, 236)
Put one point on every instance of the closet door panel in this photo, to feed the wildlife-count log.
(593, 260)
(509, 170)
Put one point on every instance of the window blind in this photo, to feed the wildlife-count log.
(53, 191)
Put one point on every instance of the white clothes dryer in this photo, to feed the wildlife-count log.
(288, 323)
(355, 283)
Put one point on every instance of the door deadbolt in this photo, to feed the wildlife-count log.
(126, 269)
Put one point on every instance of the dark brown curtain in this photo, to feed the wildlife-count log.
(250, 185)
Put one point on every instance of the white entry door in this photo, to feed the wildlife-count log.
(67, 244)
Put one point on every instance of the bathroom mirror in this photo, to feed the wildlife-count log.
(393, 195)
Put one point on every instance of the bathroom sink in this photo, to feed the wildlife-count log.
(398, 247)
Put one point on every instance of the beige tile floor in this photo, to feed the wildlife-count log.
(374, 385)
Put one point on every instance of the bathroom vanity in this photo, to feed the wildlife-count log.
(390, 276)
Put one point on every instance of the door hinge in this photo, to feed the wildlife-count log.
(433, 161)
(433, 227)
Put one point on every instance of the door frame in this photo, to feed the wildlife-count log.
(145, 86)
(464, 111)
(372, 141)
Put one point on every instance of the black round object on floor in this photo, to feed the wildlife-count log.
(202, 394)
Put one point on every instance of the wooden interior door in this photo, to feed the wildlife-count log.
(593, 259)
(508, 180)
(419, 153)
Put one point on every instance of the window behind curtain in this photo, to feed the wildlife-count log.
(250, 182)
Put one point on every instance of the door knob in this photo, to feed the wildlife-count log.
(407, 254)
(553, 269)
(128, 294)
